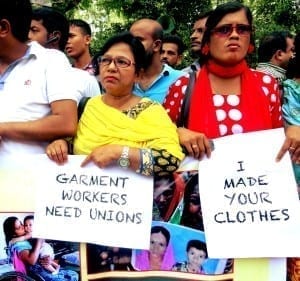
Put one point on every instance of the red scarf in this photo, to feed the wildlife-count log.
(254, 103)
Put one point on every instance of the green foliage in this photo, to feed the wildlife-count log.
(277, 15)
(110, 16)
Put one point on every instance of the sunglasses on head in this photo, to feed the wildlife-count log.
(226, 29)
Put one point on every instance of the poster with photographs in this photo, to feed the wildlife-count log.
(177, 245)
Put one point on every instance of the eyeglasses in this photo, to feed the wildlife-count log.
(121, 62)
(226, 29)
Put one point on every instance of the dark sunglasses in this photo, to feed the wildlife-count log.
(226, 29)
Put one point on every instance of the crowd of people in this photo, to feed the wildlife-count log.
(137, 97)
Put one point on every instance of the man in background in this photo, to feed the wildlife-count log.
(157, 76)
(274, 53)
(172, 50)
(196, 41)
(78, 45)
(49, 28)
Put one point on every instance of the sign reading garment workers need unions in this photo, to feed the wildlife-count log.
(109, 206)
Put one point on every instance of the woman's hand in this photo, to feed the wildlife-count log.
(104, 156)
(291, 144)
(196, 144)
(57, 151)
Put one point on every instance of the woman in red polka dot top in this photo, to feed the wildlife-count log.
(228, 97)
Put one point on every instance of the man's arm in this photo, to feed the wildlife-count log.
(61, 123)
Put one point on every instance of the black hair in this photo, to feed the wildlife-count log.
(198, 245)
(271, 43)
(83, 25)
(19, 14)
(53, 20)
(216, 16)
(9, 228)
(202, 15)
(293, 69)
(164, 231)
(29, 217)
(172, 38)
(136, 47)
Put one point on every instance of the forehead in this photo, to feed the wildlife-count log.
(142, 29)
(200, 23)
(18, 223)
(197, 251)
(37, 23)
(289, 43)
(170, 46)
(75, 30)
(119, 49)
(158, 237)
(235, 17)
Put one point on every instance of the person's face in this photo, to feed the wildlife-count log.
(197, 34)
(194, 204)
(28, 224)
(195, 257)
(158, 244)
(163, 193)
(78, 43)
(232, 48)
(117, 80)
(288, 53)
(169, 54)
(38, 32)
(144, 32)
(19, 228)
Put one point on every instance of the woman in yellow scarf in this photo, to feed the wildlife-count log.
(119, 127)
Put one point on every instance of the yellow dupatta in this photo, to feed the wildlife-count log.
(101, 124)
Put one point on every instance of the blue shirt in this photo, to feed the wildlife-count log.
(158, 89)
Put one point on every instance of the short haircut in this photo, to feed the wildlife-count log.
(29, 217)
(293, 70)
(199, 245)
(175, 39)
(19, 14)
(202, 15)
(271, 43)
(83, 25)
(53, 21)
(135, 45)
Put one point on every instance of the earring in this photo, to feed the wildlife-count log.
(205, 50)
(250, 49)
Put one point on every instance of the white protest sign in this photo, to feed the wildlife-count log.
(109, 206)
(249, 201)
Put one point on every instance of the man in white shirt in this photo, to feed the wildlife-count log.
(37, 102)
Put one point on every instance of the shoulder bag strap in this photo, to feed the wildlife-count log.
(184, 114)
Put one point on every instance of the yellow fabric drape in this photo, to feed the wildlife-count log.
(101, 124)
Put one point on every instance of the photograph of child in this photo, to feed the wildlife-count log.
(196, 254)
